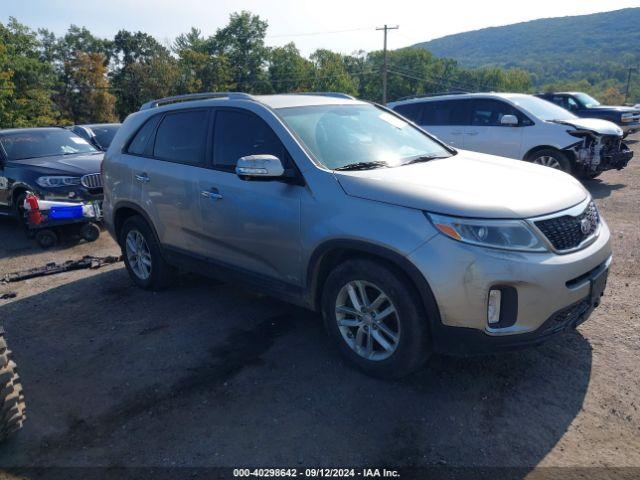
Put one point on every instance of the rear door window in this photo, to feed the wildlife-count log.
(446, 112)
(182, 136)
(238, 134)
(489, 113)
(412, 111)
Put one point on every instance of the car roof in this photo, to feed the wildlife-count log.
(457, 96)
(293, 100)
(97, 125)
(27, 130)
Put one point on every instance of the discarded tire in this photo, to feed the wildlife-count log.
(12, 407)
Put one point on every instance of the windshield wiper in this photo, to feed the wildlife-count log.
(423, 158)
(363, 166)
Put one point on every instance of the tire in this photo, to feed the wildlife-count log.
(552, 158)
(160, 273)
(18, 210)
(90, 232)
(408, 352)
(12, 406)
(46, 238)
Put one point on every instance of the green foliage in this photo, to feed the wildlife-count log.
(597, 49)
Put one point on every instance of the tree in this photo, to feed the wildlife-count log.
(29, 102)
(289, 71)
(331, 74)
(241, 41)
(138, 60)
(87, 97)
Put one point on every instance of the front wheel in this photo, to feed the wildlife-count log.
(143, 257)
(376, 318)
(551, 158)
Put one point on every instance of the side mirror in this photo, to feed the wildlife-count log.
(509, 121)
(259, 167)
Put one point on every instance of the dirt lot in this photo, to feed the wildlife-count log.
(207, 374)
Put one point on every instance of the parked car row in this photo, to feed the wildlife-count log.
(522, 127)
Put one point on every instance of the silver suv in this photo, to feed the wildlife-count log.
(406, 245)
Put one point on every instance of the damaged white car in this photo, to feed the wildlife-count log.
(523, 127)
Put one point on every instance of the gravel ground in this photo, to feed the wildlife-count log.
(208, 374)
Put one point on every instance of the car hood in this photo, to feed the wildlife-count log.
(595, 125)
(468, 184)
(78, 164)
(616, 108)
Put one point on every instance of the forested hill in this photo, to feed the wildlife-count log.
(592, 47)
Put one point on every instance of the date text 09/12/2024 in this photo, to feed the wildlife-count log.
(316, 472)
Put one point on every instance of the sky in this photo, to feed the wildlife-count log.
(344, 26)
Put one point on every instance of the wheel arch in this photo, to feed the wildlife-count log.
(564, 151)
(125, 210)
(329, 254)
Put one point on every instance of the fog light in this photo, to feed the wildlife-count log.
(493, 306)
(72, 195)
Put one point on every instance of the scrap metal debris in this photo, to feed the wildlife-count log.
(8, 295)
(53, 268)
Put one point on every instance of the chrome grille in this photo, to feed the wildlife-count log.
(567, 232)
(93, 180)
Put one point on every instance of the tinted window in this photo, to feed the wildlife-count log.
(104, 134)
(140, 142)
(412, 111)
(238, 134)
(446, 112)
(489, 113)
(43, 143)
(182, 136)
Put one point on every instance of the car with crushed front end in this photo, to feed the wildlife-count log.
(584, 105)
(522, 127)
(405, 245)
(51, 162)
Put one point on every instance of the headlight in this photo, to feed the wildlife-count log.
(504, 234)
(58, 181)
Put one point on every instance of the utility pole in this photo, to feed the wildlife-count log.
(386, 28)
(626, 92)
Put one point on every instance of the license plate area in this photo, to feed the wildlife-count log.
(598, 285)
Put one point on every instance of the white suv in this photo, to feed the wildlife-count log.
(523, 127)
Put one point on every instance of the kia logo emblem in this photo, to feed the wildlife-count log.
(585, 225)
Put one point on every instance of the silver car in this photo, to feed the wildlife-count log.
(405, 245)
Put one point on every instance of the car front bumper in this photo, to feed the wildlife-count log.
(551, 291)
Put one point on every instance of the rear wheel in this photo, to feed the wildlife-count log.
(143, 257)
(12, 406)
(376, 318)
(551, 158)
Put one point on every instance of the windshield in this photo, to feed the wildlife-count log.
(342, 135)
(104, 134)
(542, 109)
(43, 143)
(587, 100)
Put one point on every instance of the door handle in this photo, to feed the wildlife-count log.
(211, 194)
(473, 133)
(143, 178)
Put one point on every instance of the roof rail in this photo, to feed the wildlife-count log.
(326, 94)
(438, 94)
(195, 96)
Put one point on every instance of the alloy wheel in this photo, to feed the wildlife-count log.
(368, 320)
(548, 161)
(138, 254)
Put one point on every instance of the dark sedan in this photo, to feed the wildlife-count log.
(583, 105)
(54, 163)
(98, 134)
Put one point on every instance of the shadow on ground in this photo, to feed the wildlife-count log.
(600, 189)
(206, 374)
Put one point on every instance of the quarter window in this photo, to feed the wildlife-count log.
(238, 134)
(181, 137)
(141, 141)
